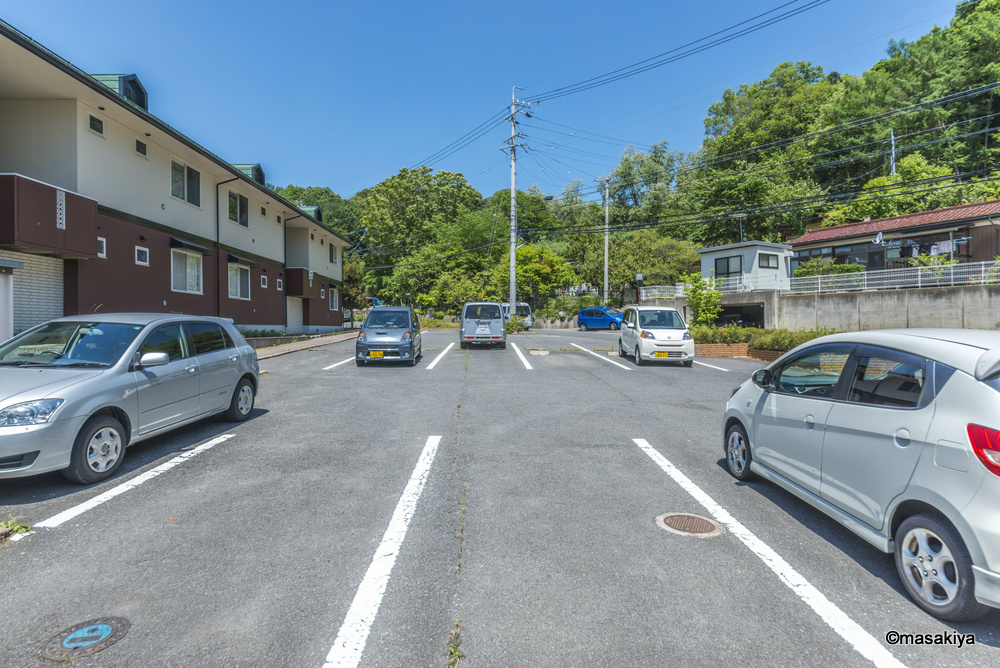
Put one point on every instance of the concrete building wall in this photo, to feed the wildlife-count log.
(37, 287)
(38, 139)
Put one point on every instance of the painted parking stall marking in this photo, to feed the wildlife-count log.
(862, 642)
(327, 368)
(353, 635)
(524, 361)
(440, 355)
(610, 361)
(710, 366)
(76, 511)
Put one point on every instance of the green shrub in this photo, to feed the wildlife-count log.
(515, 325)
(823, 266)
(780, 340)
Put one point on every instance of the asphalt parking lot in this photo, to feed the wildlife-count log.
(489, 507)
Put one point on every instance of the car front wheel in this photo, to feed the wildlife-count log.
(936, 569)
(638, 357)
(738, 455)
(97, 452)
(242, 401)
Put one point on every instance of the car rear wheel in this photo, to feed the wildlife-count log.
(463, 345)
(97, 452)
(242, 403)
(638, 357)
(583, 327)
(503, 346)
(613, 326)
(738, 455)
(936, 569)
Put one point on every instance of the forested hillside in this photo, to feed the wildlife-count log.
(917, 131)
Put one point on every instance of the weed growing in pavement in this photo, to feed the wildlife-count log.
(454, 654)
(11, 527)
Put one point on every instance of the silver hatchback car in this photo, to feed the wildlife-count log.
(894, 434)
(75, 392)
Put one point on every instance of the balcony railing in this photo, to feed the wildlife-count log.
(970, 273)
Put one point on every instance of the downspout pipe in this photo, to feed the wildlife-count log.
(218, 249)
(284, 260)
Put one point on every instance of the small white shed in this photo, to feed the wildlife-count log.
(749, 265)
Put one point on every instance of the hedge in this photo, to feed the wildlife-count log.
(779, 340)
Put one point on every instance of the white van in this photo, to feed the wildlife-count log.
(522, 311)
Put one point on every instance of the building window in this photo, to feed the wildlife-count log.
(185, 183)
(142, 256)
(333, 254)
(263, 280)
(140, 148)
(185, 269)
(322, 294)
(239, 209)
(767, 261)
(97, 125)
(263, 212)
(334, 305)
(239, 282)
(728, 266)
(279, 284)
(102, 248)
(279, 220)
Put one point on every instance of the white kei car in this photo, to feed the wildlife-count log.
(655, 333)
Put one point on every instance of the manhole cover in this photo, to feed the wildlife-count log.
(686, 524)
(85, 639)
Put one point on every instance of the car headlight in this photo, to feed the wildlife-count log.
(646, 334)
(687, 335)
(31, 412)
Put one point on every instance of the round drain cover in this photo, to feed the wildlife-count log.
(86, 639)
(686, 524)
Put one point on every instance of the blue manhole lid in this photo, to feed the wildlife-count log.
(85, 639)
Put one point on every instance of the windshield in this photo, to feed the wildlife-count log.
(523, 310)
(610, 310)
(660, 319)
(388, 319)
(483, 312)
(70, 344)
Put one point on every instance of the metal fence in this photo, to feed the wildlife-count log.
(970, 273)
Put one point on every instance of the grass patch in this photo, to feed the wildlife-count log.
(11, 527)
(454, 644)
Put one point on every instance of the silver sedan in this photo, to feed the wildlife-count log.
(75, 392)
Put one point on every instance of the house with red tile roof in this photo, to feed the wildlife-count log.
(967, 233)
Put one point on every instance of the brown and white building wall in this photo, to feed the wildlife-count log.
(106, 208)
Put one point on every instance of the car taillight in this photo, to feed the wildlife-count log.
(986, 443)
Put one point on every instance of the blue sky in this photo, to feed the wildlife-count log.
(344, 94)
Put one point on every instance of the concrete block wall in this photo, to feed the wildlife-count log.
(38, 289)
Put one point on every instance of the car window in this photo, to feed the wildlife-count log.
(813, 374)
(483, 312)
(887, 378)
(70, 344)
(523, 310)
(612, 311)
(660, 319)
(388, 319)
(166, 339)
(207, 337)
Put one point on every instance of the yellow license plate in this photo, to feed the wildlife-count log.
(659, 354)
(375, 354)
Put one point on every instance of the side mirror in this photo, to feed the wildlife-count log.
(152, 359)
(763, 379)
(630, 325)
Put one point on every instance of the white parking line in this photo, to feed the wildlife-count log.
(75, 511)
(440, 355)
(627, 368)
(327, 368)
(835, 618)
(710, 366)
(353, 635)
(518, 351)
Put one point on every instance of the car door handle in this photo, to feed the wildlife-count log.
(234, 357)
(192, 367)
(810, 422)
(902, 437)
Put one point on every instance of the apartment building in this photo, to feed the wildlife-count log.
(105, 207)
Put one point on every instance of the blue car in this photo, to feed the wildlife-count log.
(599, 317)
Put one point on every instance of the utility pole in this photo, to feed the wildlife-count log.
(514, 104)
(892, 157)
(606, 207)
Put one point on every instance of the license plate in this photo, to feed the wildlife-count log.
(659, 354)
(375, 354)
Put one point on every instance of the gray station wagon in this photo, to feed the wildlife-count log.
(895, 434)
(75, 392)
